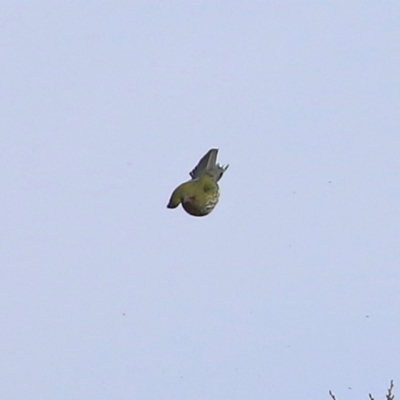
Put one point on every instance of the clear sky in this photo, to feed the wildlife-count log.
(289, 288)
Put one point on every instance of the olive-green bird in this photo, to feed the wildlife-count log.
(200, 195)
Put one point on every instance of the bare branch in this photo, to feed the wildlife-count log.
(389, 395)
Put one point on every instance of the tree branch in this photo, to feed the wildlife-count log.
(389, 395)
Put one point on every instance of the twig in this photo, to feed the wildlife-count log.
(389, 395)
(332, 395)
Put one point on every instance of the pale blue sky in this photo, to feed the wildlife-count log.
(288, 289)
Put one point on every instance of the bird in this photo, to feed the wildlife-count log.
(200, 195)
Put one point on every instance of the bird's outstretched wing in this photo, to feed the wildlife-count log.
(208, 164)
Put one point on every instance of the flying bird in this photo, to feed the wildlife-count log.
(200, 195)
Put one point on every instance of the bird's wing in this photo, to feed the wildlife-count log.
(208, 162)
